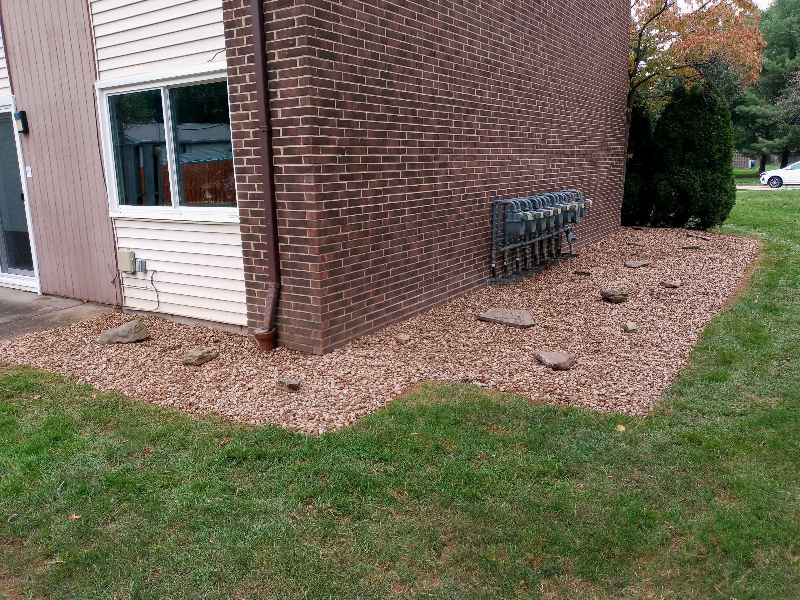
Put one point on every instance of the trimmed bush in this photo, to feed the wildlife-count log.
(637, 203)
(693, 182)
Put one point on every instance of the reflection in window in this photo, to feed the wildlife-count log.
(140, 150)
(204, 155)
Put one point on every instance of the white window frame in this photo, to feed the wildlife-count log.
(163, 82)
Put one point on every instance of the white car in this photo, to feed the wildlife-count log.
(776, 179)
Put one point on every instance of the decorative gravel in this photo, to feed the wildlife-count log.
(615, 371)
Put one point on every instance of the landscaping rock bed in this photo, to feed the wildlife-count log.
(614, 371)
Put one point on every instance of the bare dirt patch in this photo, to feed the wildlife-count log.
(615, 371)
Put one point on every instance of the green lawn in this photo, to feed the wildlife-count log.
(448, 493)
(751, 176)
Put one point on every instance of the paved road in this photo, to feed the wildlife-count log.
(26, 312)
(764, 188)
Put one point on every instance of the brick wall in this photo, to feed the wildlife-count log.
(395, 126)
(299, 317)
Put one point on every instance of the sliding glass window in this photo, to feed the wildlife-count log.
(140, 149)
(172, 146)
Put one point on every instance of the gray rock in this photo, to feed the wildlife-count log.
(403, 338)
(558, 361)
(691, 247)
(133, 331)
(637, 244)
(699, 237)
(630, 327)
(637, 264)
(614, 296)
(671, 284)
(199, 356)
(582, 273)
(510, 317)
(290, 384)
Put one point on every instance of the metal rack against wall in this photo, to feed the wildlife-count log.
(528, 232)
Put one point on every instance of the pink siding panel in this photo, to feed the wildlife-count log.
(51, 60)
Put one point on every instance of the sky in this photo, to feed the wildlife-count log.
(763, 3)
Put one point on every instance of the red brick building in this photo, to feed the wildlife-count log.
(395, 124)
(392, 127)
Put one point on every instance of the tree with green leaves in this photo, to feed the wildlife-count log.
(762, 125)
(694, 185)
(637, 203)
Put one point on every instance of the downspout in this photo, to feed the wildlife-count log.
(267, 334)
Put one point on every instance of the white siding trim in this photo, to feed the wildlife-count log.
(200, 280)
(147, 36)
(5, 82)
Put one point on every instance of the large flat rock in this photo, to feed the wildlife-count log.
(510, 317)
(637, 264)
(558, 361)
(129, 333)
(199, 356)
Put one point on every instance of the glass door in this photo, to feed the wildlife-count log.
(15, 244)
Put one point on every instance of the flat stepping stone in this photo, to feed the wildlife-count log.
(637, 264)
(637, 244)
(691, 247)
(582, 273)
(289, 384)
(614, 296)
(699, 237)
(133, 331)
(671, 284)
(199, 356)
(510, 317)
(558, 361)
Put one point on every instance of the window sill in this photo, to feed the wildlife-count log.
(197, 215)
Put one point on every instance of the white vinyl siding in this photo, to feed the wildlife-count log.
(197, 269)
(5, 84)
(148, 36)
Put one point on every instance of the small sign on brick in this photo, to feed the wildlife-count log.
(510, 317)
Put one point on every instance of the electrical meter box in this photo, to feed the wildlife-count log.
(125, 260)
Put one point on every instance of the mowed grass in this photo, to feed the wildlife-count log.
(451, 492)
(751, 176)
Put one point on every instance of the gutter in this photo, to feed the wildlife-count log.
(266, 336)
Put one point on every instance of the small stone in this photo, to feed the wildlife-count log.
(290, 384)
(630, 327)
(558, 361)
(621, 428)
(691, 247)
(636, 228)
(510, 317)
(614, 296)
(403, 338)
(133, 331)
(671, 284)
(637, 244)
(699, 237)
(637, 264)
(199, 356)
(582, 273)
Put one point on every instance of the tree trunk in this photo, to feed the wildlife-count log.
(762, 163)
(784, 159)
